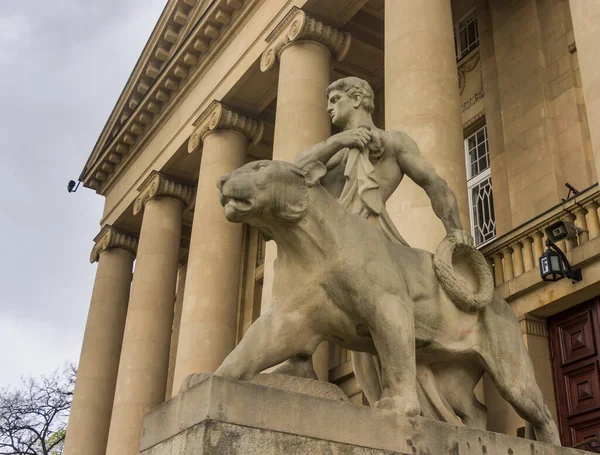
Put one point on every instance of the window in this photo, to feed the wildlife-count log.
(479, 185)
(466, 37)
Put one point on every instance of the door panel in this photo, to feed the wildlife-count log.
(576, 366)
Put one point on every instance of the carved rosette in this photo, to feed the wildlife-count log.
(297, 26)
(109, 237)
(157, 185)
(219, 117)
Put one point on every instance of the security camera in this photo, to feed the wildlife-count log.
(562, 230)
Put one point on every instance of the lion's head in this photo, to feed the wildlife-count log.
(262, 192)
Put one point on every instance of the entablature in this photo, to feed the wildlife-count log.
(158, 79)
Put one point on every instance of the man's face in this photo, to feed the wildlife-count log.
(340, 107)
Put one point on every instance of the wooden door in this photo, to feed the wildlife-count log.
(574, 340)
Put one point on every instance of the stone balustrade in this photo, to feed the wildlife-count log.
(517, 251)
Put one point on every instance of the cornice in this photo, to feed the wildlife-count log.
(110, 237)
(219, 117)
(149, 92)
(296, 26)
(158, 185)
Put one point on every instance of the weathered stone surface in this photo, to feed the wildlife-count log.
(344, 279)
(294, 384)
(226, 417)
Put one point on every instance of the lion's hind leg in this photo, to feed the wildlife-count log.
(507, 361)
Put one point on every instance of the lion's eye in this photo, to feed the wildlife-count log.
(260, 166)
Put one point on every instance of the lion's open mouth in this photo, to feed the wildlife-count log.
(238, 204)
(235, 207)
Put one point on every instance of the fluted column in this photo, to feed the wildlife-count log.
(586, 17)
(142, 378)
(209, 316)
(302, 48)
(422, 99)
(99, 361)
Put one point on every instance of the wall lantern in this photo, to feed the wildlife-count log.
(553, 262)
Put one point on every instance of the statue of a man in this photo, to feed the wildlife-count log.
(366, 165)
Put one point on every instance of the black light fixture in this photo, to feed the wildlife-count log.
(71, 187)
(554, 265)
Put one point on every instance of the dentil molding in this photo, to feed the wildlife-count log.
(109, 237)
(297, 26)
(157, 185)
(219, 117)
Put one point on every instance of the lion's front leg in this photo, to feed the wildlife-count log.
(392, 329)
(273, 338)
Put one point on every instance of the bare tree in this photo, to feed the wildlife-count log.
(33, 418)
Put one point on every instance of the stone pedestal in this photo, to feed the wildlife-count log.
(225, 417)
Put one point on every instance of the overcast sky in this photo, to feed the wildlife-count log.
(63, 64)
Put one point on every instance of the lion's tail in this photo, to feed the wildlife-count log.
(456, 286)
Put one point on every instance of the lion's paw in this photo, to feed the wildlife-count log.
(399, 404)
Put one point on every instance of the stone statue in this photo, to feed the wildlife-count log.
(339, 278)
(421, 337)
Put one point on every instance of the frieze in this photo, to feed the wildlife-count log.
(158, 185)
(297, 26)
(110, 237)
(471, 101)
(219, 117)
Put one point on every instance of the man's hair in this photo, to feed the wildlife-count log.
(352, 86)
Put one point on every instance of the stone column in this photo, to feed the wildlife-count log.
(209, 316)
(422, 99)
(142, 378)
(303, 49)
(586, 17)
(181, 277)
(99, 361)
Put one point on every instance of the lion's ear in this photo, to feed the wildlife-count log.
(314, 172)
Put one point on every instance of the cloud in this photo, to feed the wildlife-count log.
(63, 65)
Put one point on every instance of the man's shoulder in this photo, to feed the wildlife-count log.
(398, 140)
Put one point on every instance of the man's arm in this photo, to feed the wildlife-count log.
(324, 151)
(421, 171)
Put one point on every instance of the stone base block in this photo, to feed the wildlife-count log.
(224, 417)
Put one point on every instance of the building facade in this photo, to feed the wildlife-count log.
(503, 97)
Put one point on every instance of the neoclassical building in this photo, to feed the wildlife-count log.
(502, 96)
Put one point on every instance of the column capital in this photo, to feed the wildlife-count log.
(158, 185)
(296, 26)
(217, 116)
(110, 237)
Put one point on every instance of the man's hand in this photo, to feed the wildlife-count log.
(357, 138)
(461, 237)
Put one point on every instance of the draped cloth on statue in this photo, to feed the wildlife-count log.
(361, 196)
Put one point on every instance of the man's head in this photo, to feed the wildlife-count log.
(345, 96)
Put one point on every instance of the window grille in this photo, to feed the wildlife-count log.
(479, 186)
(466, 36)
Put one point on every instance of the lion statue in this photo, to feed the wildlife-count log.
(338, 278)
